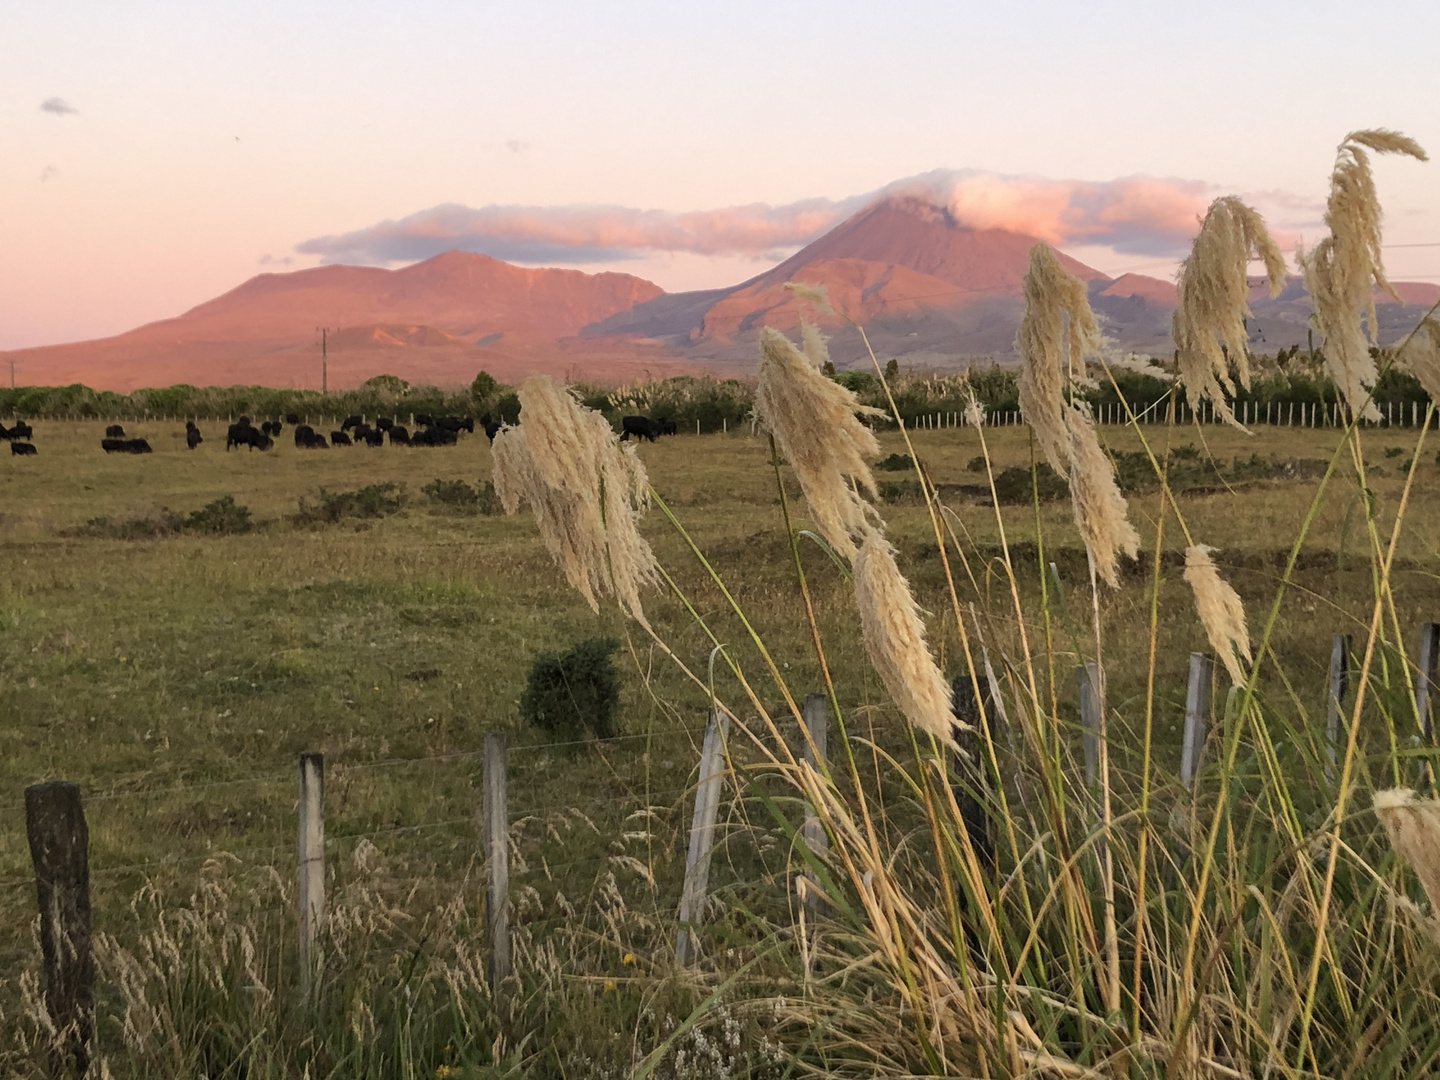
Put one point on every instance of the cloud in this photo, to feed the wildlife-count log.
(59, 107)
(517, 146)
(1134, 214)
(48, 173)
(269, 260)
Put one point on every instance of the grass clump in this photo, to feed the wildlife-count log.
(146, 523)
(371, 501)
(222, 517)
(896, 463)
(569, 693)
(458, 497)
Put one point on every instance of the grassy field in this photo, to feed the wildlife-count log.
(176, 676)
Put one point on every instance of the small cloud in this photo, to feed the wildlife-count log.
(271, 260)
(59, 107)
(48, 173)
(516, 146)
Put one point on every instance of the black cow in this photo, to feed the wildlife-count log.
(4, 434)
(384, 423)
(492, 428)
(307, 438)
(115, 431)
(272, 427)
(399, 436)
(125, 446)
(193, 438)
(374, 437)
(291, 419)
(457, 424)
(22, 430)
(423, 420)
(435, 435)
(664, 426)
(22, 449)
(642, 427)
(242, 433)
(361, 432)
(339, 438)
(352, 421)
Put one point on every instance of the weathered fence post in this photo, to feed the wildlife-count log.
(310, 891)
(1087, 679)
(1425, 677)
(971, 768)
(1339, 686)
(702, 833)
(59, 849)
(816, 715)
(1197, 712)
(497, 855)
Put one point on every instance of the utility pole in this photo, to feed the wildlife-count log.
(12, 374)
(324, 359)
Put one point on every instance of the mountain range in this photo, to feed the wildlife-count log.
(926, 288)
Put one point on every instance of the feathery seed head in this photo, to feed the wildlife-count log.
(1221, 612)
(1422, 356)
(588, 493)
(1100, 510)
(1414, 828)
(1209, 324)
(1057, 332)
(813, 419)
(1343, 270)
(894, 636)
(814, 294)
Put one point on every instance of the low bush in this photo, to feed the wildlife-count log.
(569, 693)
(458, 497)
(372, 501)
(224, 516)
(148, 523)
(896, 463)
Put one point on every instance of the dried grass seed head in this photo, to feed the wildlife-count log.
(815, 425)
(1209, 324)
(894, 635)
(1101, 512)
(816, 295)
(1343, 270)
(1421, 355)
(1221, 612)
(1057, 332)
(588, 493)
(1413, 826)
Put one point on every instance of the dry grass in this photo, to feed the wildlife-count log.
(1221, 612)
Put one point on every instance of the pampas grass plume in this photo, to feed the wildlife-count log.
(1213, 291)
(588, 493)
(895, 640)
(813, 294)
(1422, 356)
(1221, 612)
(1100, 509)
(813, 419)
(1413, 826)
(1343, 270)
(1056, 333)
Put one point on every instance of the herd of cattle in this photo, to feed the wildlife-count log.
(355, 431)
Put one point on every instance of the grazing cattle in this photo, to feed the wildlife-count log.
(22, 430)
(374, 438)
(399, 436)
(339, 438)
(434, 436)
(4, 434)
(193, 438)
(360, 432)
(642, 427)
(492, 428)
(125, 446)
(457, 424)
(423, 420)
(307, 438)
(241, 433)
(291, 419)
(272, 427)
(22, 449)
(115, 431)
(664, 426)
(352, 421)
(384, 423)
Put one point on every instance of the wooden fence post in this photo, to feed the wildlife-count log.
(1425, 678)
(310, 891)
(497, 855)
(1339, 686)
(59, 849)
(702, 834)
(816, 715)
(1087, 679)
(972, 768)
(1197, 713)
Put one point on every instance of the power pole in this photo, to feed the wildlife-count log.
(12, 374)
(324, 359)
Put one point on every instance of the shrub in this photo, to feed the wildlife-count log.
(458, 497)
(373, 501)
(149, 523)
(569, 692)
(222, 517)
(897, 463)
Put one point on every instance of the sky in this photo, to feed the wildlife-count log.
(156, 154)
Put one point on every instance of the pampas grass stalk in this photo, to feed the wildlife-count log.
(1343, 270)
(1413, 826)
(1209, 324)
(1100, 509)
(1221, 612)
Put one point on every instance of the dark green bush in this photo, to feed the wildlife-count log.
(373, 501)
(150, 523)
(896, 463)
(458, 497)
(571, 692)
(1015, 486)
(222, 517)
